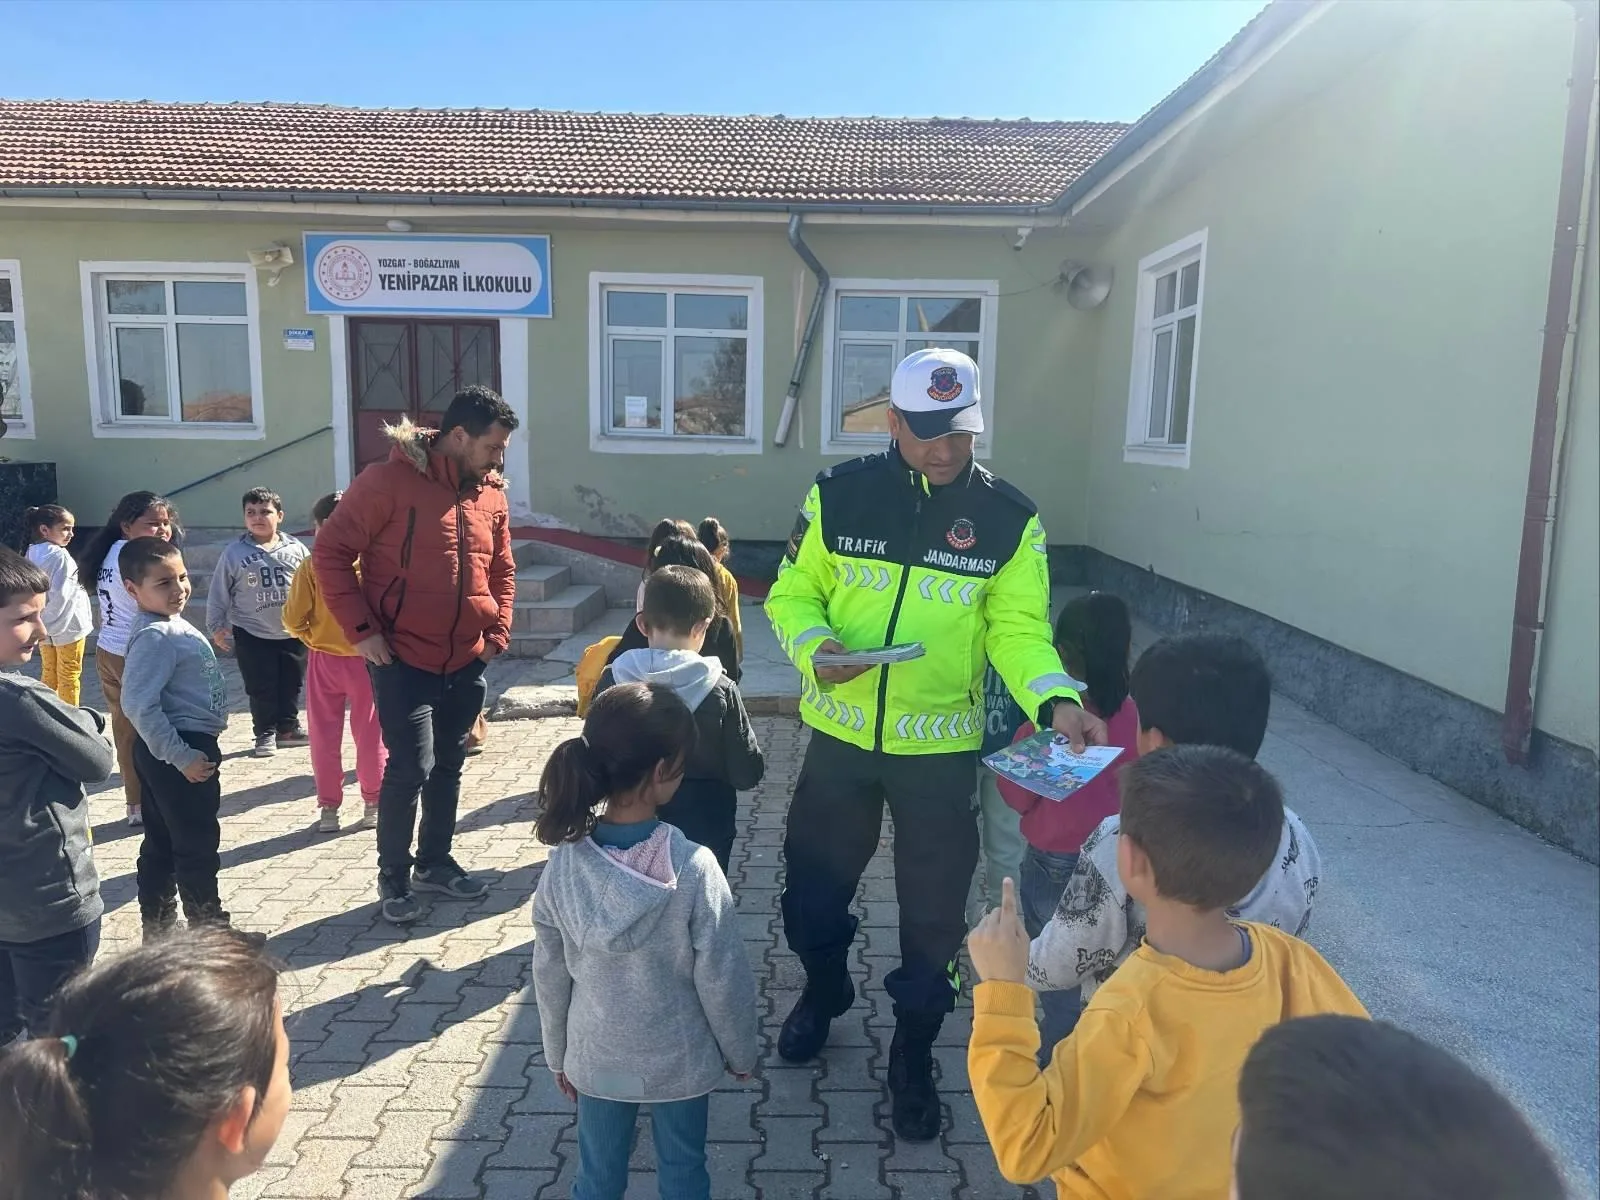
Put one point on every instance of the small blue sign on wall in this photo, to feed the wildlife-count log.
(478, 275)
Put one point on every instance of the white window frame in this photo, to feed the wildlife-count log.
(602, 437)
(1138, 447)
(20, 427)
(986, 291)
(104, 419)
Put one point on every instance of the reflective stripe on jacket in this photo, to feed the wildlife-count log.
(878, 557)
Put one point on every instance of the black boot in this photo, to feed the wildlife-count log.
(828, 994)
(159, 920)
(912, 1097)
(211, 915)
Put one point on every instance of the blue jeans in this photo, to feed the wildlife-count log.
(605, 1139)
(1044, 878)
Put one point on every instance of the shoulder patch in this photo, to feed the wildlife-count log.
(851, 465)
(802, 522)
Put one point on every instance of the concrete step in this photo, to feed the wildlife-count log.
(542, 581)
(564, 614)
(532, 645)
(620, 580)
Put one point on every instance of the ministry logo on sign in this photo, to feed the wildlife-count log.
(343, 272)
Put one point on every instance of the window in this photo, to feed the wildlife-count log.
(675, 363)
(1165, 349)
(174, 350)
(872, 325)
(16, 406)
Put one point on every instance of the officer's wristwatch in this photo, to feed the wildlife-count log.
(1047, 711)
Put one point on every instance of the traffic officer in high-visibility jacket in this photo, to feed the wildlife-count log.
(918, 544)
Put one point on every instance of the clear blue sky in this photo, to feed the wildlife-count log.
(1087, 59)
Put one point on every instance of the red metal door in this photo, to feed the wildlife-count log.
(411, 368)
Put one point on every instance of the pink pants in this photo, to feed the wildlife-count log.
(332, 681)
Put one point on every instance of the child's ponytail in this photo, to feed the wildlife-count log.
(631, 729)
(139, 1054)
(1096, 630)
(40, 516)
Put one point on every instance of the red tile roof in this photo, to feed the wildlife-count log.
(534, 155)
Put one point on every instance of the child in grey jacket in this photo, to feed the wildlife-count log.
(645, 994)
(175, 696)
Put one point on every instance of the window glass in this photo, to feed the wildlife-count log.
(213, 372)
(1166, 293)
(208, 299)
(141, 371)
(869, 313)
(136, 297)
(970, 349)
(636, 383)
(10, 389)
(1160, 383)
(638, 310)
(5, 295)
(1189, 287)
(943, 314)
(710, 386)
(691, 311)
(1182, 377)
(865, 369)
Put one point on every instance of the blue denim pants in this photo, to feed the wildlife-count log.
(1044, 879)
(605, 1140)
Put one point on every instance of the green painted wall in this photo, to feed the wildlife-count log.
(1377, 265)
(1043, 346)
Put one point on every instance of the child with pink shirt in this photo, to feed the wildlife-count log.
(1093, 635)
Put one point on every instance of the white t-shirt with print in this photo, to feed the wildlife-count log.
(118, 610)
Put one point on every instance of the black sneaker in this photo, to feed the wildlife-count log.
(913, 1099)
(447, 878)
(398, 904)
(805, 1031)
(159, 923)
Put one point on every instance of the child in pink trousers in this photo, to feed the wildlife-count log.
(336, 676)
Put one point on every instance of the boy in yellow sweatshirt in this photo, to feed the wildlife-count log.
(336, 678)
(1140, 1102)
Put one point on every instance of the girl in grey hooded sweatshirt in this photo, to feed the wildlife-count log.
(645, 995)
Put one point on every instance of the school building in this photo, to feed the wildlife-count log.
(1309, 352)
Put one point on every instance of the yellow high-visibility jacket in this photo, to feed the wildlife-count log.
(877, 558)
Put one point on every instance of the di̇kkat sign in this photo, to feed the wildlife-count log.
(468, 275)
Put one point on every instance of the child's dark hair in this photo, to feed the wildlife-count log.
(142, 555)
(712, 535)
(261, 495)
(676, 599)
(1204, 688)
(323, 508)
(631, 729)
(128, 510)
(1208, 817)
(41, 516)
(1094, 630)
(476, 408)
(20, 579)
(1334, 1106)
(163, 1039)
(687, 552)
(667, 527)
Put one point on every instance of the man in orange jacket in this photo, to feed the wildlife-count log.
(428, 609)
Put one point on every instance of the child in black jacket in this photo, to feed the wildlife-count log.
(679, 605)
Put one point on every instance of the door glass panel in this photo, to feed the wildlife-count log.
(1182, 377)
(208, 299)
(436, 366)
(478, 362)
(214, 372)
(1166, 293)
(864, 372)
(691, 311)
(1160, 385)
(710, 379)
(136, 297)
(1189, 286)
(383, 366)
(943, 314)
(639, 310)
(869, 313)
(142, 372)
(635, 383)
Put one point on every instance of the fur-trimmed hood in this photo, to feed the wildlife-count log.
(411, 442)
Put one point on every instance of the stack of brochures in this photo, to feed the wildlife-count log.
(885, 657)
(1045, 765)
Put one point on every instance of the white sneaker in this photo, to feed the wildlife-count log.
(369, 815)
(266, 745)
(328, 820)
(135, 816)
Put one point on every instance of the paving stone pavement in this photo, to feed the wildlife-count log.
(416, 1053)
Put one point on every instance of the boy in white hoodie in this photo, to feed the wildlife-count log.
(678, 607)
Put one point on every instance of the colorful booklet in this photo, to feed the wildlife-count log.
(887, 656)
(1045, 765)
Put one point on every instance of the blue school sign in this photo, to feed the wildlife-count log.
(427, 274)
